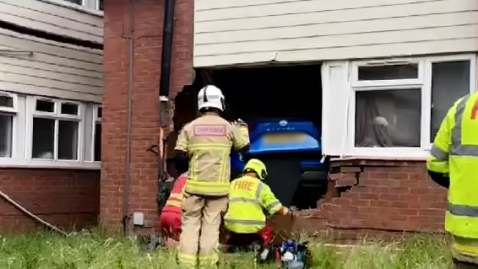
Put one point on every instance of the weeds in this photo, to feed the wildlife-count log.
(98, 251)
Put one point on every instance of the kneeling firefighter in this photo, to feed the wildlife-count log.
(171, 214)
(248, 196)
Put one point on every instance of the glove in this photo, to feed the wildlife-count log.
(239, 122)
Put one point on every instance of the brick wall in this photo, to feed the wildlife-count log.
(145, 111)
(384, 198)
(66, 198)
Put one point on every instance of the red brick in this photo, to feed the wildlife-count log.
(369, 196)
(66, 198)
(350, 169)
(145, 110)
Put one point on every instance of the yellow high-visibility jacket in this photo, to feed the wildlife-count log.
(455, 153)
(247, 198)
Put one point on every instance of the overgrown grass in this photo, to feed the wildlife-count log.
(94, 251)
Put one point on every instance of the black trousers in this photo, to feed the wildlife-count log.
(464, 265)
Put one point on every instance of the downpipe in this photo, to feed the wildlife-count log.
(127, 181)
(164, 85)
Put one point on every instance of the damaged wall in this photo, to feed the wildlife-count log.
(389, 198)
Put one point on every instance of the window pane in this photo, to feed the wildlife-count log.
(69, 109)
(6, 101)
(99, 113)
(102, 5)
(388, 118)
(68, 140)
(404, 71)
(43, 138)
(45, 106)
(6, 124)
(79, 2)
(450, 81)
(98, 142)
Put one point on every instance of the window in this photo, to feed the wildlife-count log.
(78, 2)
(98, 113)
(91, 4)
(55, 130)
(398, 106)
(450, 81)
(46, 132)
(388, 118)
(7, 116)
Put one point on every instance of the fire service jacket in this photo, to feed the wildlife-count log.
(176, 196)
(248, 196)
(453, 163)
(208, 140)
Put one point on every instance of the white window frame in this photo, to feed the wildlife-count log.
(424, 82)
(14, 112)
(22, 139)
(87, 6)
(57, 116)
(96, 119)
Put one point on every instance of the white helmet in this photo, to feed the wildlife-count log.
(211, 96)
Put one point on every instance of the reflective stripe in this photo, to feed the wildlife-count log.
(457, 149)
(224, 171)
(207, 187)
(259, 190)
(187, 260)
(463, 210)
(244, 200)
(439, 154)
(276, 203)
(173, 203)
(245, 222)
(176, 196)
(208, 184)
(208, 146)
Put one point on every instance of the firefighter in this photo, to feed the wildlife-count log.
(248, 196)
(453, 164)
(170, 218)
(207, 143)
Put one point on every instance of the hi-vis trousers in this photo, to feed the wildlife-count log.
(202, 216)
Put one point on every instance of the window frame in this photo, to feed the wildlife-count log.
(13, 111)
(87, 6)
(22, 140)
(95, 120)
(57, 117)
(423, 82)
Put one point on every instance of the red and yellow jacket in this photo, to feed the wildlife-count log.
(176, 197)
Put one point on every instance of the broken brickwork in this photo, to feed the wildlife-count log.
(377, 198)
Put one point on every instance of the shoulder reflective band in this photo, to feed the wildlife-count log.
(463, 210)
(457, 148)
(259, 190)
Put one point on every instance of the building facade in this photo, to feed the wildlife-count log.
(51, 87)
(388, 73)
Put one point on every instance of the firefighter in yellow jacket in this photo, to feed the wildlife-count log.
(207, 143)
(248, 196)
(453, 163)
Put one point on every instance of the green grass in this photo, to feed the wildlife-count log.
(94, 251)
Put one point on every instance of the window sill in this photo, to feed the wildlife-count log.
(46, 164)
(75, 7)
(387, 154)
